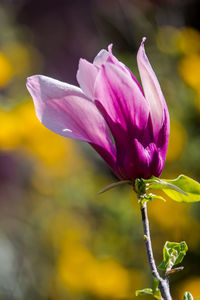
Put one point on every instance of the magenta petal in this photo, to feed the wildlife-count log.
(123, 67)
(147, 161)
(121, 98)
(158, 108)
(65, 110)
(155, 161)
(133, 160)
(126, 112)
(163, 136)
(110, 102)
(86, 76)
(139, 162)
(152, 90)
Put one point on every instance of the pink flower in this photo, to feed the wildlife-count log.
(127, 125)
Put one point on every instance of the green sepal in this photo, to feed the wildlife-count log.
(140, 186)
(144, 292)
(150, 197)
(173, 254)
(188, 296)
(181, 189)
(148, 292)
(155, 292)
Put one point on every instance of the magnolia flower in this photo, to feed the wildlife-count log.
(126, 124)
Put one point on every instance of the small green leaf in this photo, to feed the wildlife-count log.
(188, 185)
(161, 184)
(187, 296)
(155, 292)
(148, 292)
(181, 189)
(173, 254)
(155, 284)
(150, 197)
(156, 197)
(144, 292)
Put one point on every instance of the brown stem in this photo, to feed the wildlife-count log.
(163, 283)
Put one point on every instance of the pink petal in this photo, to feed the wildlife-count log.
(86, 76)
(115, 61)
(65, 110)
(101, 58)
(87, 72)
(121, 97)
(125, 110)
(152, 90)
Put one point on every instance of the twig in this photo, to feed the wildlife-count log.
(113, 185)
(163, 283)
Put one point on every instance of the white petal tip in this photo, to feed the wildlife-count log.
(28, 79)
(143, 41)
(81, 60)
(110, 46)
(29, 82)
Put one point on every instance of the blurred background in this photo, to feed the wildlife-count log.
(59, 239)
